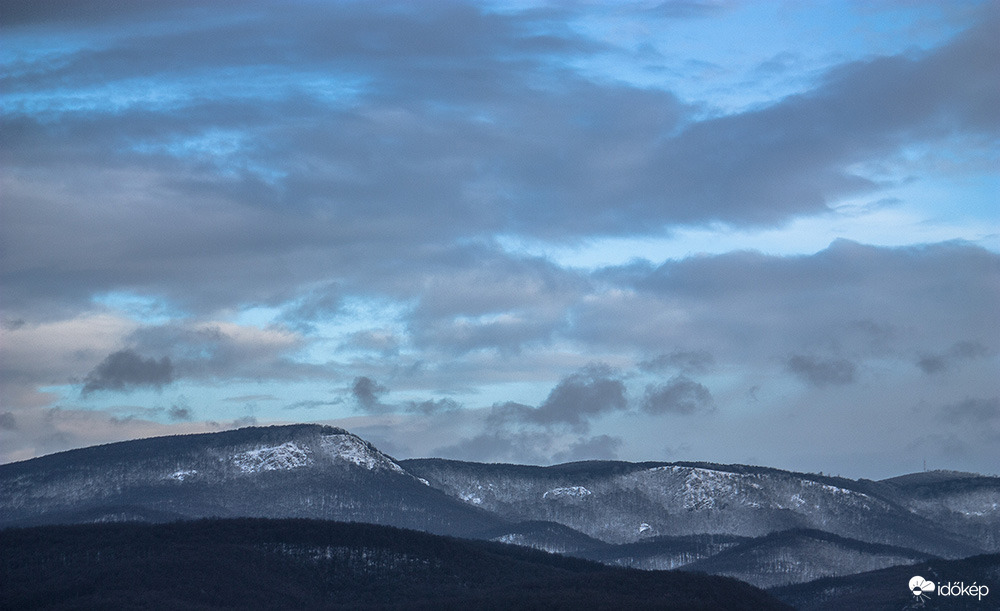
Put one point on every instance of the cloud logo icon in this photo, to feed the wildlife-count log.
(920, 586)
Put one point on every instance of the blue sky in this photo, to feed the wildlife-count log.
(760, 232)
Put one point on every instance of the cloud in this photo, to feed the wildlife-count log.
(222, 349)
(854, 300)
(241, 422)
(574, 401)
(822, 372)
(599, 447)
(686, 9)
(517, 447)
(581, 396)
(252, 156)
(367, 393)
(432, 406)
(961, 351)
(248, 398)
(7, 421)
(972, 410)
(382, 341)
(126, 370)
(180, 412)
(697, 361)
(313, 404)
(680, 395)
(363, 173)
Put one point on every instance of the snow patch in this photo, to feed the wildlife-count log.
(356, 451)
(470, 497)
(284, 457)
(182, 474)
(703, 487)
(576, 492)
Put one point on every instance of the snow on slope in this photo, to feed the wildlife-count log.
(576, 492)
(303, 453)
(354, 450)
(286, 456)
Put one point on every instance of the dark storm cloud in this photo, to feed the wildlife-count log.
(961, 351)
(679, 395)
(126, 370)
(822, 371)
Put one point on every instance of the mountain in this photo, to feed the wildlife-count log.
(546, 536)
(796, 556)
(967, 502)
(620, 502)
(765, 526)
(306, 471)
(662, 553)
(888, 589)
(308, 564)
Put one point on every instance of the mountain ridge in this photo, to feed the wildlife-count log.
(649, 514)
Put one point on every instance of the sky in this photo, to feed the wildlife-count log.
(536, 232)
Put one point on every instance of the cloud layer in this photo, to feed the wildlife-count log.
(314, 211)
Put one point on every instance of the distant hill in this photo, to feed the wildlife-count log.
(796, 556)
(309, 564)
(547, 536)
(662, 552)
(887, 589)
(720, 519)
(620, 502)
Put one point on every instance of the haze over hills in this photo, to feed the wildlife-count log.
(765, 526)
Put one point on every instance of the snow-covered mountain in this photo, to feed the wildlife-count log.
(290, 471)
(621, 502)
(715, 518)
